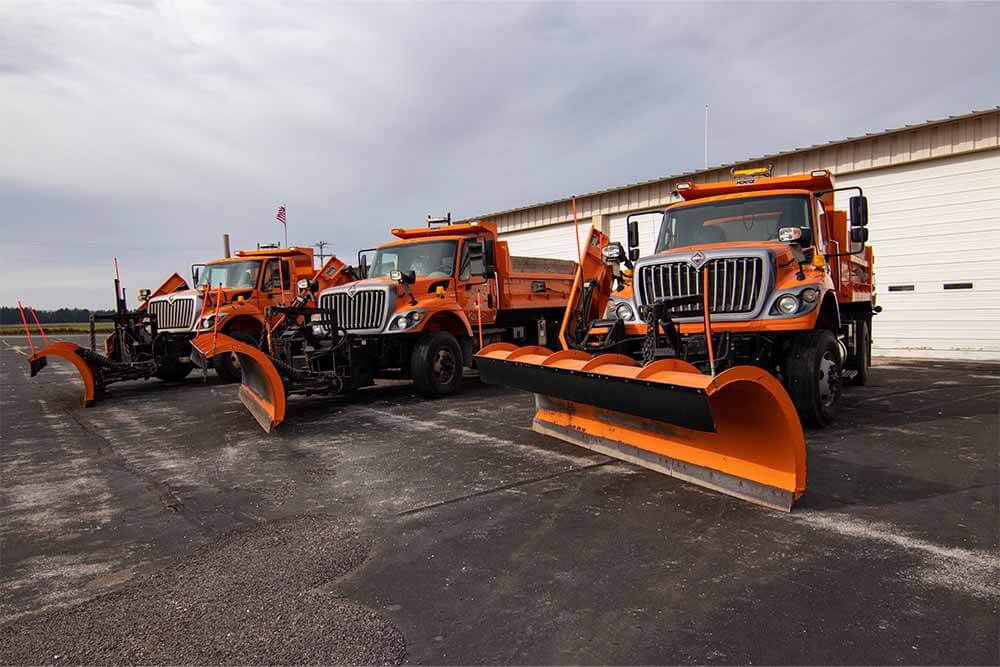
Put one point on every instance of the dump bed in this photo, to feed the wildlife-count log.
(534, 282)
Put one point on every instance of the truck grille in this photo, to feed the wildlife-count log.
(176, 315)
(733, 283)
(365, 310)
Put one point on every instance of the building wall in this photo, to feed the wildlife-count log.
(917, 179)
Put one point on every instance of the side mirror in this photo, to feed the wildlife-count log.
(363, 264)
(489, 258)
(633, 238)
(859, 211)
(859, 235)
(196, 272)
(144, 295)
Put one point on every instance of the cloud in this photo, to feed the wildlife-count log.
(146, 130)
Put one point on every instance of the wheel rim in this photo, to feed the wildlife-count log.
(829, 379)
(443, 368)
(234, 360)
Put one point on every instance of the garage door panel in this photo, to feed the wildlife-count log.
(938, 228)
(946, 272)
(958, 246)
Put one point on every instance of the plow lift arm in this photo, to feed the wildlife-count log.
(736, 432)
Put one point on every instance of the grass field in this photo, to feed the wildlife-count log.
(65, 328)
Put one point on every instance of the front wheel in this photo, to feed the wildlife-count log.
(227, 366)
(812, 376)
(436, 364)
(174, 372)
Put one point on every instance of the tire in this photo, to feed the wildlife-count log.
(174, 372)
(227, 366)
(436, 364)
(861, 361)
(812, 377)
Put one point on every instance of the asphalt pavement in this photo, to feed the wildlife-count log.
(163, 526)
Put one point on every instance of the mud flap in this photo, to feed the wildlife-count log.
(737, 433)
(261, 390)
(70, 352)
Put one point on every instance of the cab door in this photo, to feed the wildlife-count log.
(473, 285)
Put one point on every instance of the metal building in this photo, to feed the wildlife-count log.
(934, 198)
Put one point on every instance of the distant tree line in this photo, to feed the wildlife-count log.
(10, 315)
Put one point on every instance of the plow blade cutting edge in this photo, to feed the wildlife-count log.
(261, 391)
(74, 354)
(737, 433)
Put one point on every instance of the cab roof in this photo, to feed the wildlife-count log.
(456, 231)
(270, 252)
(810, 182)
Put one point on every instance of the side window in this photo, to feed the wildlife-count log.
(273, 278)
(821, 223)
(286, 275)
(270, 279)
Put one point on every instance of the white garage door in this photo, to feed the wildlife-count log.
(935, 232)
(554, 241)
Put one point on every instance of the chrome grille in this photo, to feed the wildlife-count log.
(365, 310)
(733, 283)
(176, 315)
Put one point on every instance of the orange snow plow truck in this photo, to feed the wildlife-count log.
(427, 302)
(230, 295)
(754, 310)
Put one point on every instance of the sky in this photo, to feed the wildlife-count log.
(146, 130)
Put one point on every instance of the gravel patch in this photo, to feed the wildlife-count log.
(254, 597)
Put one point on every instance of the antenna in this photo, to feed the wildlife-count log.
(706, 136)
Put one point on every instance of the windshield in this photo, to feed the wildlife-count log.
(434, 259)
(232, 275)
(751, 219)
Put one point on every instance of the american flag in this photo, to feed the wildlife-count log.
(281, 215)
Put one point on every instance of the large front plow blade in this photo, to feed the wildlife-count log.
(75, 355)
(737, 433)
(262, 391)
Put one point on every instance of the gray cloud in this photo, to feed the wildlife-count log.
(145, 131)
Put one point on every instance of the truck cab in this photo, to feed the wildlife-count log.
(788, 277)
(429, 299)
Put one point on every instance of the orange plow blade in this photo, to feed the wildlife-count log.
(261, 391)
(74, 354)
(737, 433)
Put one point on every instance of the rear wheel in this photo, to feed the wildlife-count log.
(861, 360)
(812, 376)
(227, 366)
(436, 364)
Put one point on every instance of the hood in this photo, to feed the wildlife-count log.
(179, 294)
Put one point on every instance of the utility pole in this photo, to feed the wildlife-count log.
(321, 245)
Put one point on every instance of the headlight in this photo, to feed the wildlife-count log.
(624, 312)
(809, 294)
(405, 321)
(788, 304)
